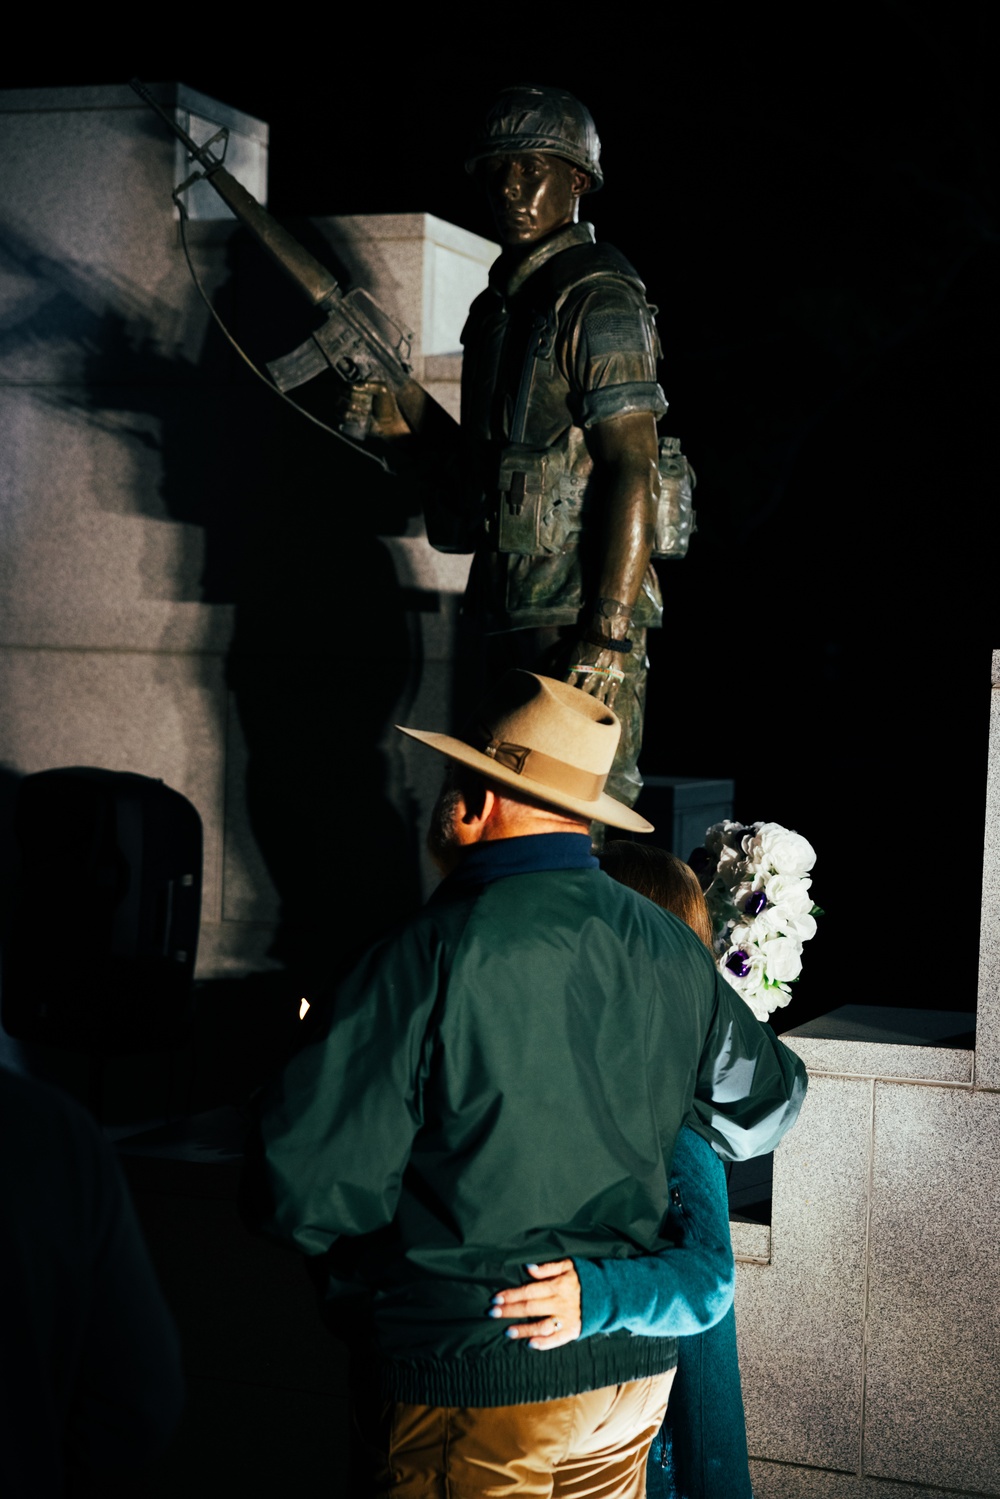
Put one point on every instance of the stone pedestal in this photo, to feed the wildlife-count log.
(150, 497)
(869, 1315)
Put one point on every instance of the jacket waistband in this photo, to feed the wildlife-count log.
(521, 1375)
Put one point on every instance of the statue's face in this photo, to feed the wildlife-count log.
(531, 194)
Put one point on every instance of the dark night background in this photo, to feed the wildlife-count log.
(809, 198)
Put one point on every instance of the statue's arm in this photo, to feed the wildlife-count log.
(625, 457)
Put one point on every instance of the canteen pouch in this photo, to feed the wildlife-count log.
(675, 517)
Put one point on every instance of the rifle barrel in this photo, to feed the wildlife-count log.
(312, 278)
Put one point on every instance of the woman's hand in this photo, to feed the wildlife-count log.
(552, 1296)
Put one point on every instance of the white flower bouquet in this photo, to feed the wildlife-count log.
(761, 909)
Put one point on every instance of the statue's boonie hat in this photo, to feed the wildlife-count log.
(527, 117)
(545, 739)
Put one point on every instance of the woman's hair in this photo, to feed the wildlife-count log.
(662, 878)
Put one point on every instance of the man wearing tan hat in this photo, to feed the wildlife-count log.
(500, 1083)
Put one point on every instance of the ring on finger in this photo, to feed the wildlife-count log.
(556, 1324)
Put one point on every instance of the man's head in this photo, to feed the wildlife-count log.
(536, 156)
(472, 808)
(542, 750)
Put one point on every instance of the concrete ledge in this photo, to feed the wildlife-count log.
(918, 1064)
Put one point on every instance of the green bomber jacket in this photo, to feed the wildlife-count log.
(499, 1082)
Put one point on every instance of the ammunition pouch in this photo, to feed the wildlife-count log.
(538, 505)
(675, 519)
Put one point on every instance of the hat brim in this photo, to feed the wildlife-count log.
(604, 809)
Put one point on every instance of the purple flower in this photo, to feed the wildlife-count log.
(755, 903)
(738, 962)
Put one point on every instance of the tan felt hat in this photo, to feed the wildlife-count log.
(547, 740)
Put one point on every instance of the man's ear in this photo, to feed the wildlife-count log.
(483, 814)
(472, 827)
(580, 182)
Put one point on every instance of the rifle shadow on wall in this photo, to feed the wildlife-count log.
(268, 515)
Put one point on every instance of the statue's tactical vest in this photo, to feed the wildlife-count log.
(519, 411)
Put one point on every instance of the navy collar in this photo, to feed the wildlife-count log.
(485, 862)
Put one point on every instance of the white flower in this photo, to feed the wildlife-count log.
(727, 841)
(764, 864)
(722, 835)
(745, 983)
(775, 997)
(755, 990)
(790, 892)
(757, 1000)
(800, 925)
(788, 909)
(783, 851)
(770, 923)
(782, 957)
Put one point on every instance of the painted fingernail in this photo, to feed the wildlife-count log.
(496, 1300)
(531, 1267)
(511, 1333)
(495, 1311)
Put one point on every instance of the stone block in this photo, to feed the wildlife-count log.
(933, 1361)
(991, 854)
(800, 1318)
(250, 894)
(155, 714)
(93, 278)
(230, 949)
(443, 380)
(110, 526)
(988, 1023)
(422, 270)
(751, 1242)
(776, 1481)
(874, 1059)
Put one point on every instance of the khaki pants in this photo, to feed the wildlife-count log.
(590, 1446)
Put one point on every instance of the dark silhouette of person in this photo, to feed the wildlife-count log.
(90, 1373)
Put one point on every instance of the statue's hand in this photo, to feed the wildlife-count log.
(596, 671)
(372, 405)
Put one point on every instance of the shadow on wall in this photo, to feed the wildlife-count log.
(322, 655)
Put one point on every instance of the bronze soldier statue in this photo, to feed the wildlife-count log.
(559, 474)
(555, 480)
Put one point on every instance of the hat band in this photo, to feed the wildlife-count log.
(546, 770)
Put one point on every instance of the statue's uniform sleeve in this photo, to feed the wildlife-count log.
(610, 353)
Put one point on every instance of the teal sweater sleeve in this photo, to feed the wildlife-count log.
(688, 1286)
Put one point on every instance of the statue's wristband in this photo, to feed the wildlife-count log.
(612, 609)
(618, 647)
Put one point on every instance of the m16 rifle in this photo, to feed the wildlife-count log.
(357, 339)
